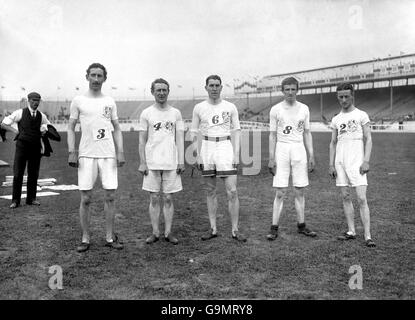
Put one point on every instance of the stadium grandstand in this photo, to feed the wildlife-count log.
(385, 89)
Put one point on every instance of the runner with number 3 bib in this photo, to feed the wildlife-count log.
(100, 151)
(289, 133)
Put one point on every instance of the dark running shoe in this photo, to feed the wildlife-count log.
(151, 239)
(33, 203)
(84, 246)
(239, 237)
(305, 231)
(346, 236)
(370, 243)
(115, 243)
(273, 234)
(171, 239)
(209, 235)
(14, 205)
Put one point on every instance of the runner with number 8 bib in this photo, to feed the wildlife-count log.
(289, 138)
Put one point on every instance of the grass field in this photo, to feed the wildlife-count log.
(292, 267)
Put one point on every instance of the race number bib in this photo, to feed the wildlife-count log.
(99, 134)
(216, 119)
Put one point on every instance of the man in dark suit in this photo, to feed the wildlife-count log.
(31, 124)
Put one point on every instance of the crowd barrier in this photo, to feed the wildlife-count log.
(132, 125)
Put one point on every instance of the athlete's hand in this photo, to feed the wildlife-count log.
(364, 168)
(272, 167)
(235, 162)
(311, 164)
(180, 168)
(143, 169)
(332, 172)
(73, 159)
(199, 163)
(120, 159)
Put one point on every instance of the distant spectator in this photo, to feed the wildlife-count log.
(400, 122)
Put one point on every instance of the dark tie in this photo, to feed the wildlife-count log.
(34, 114)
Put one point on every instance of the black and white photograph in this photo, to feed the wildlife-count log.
(207, 155)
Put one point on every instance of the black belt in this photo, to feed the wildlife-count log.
(217, 139)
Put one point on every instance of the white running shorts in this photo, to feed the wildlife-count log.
(90, 167)
(168, 181)
(291, 158)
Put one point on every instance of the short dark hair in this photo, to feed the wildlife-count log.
(289, 80)
(345, 86)
(97, 65)
(213, 77)
(159, 80)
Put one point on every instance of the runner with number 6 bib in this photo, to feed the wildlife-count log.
(218, 152)
(289, 133)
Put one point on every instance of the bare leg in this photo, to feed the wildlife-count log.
(109, 208)
(212, 201)
(364, 209)
(154, 211)
(348, 209)
(278, 205)
(299, 204)
(84, 214)
(233, 201)
(168, 210)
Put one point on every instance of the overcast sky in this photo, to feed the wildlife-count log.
(49, 43)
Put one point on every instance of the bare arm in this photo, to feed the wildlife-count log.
(332, 153)
(367, 138)
(142, 152)
(73, 154)
(196, 142)
(118, 141)
(180, 150)
(308, 142)
(236, 140)
(236, 143)
(271, 154)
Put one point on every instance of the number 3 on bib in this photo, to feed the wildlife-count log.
(287, 130)
(100, 134)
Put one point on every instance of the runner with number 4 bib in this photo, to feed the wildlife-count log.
(289, 133)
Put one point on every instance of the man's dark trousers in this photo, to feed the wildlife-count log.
(28, 148)
(26, 152)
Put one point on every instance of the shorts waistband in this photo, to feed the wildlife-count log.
(217, 139)
(351, 139)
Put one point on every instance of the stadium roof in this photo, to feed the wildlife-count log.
(342, 65)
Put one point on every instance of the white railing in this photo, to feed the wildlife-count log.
(132, 125)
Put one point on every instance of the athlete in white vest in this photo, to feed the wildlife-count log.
(218, 153)
(289, 133)
(350, 149)
(161, 148)
(97, 153)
